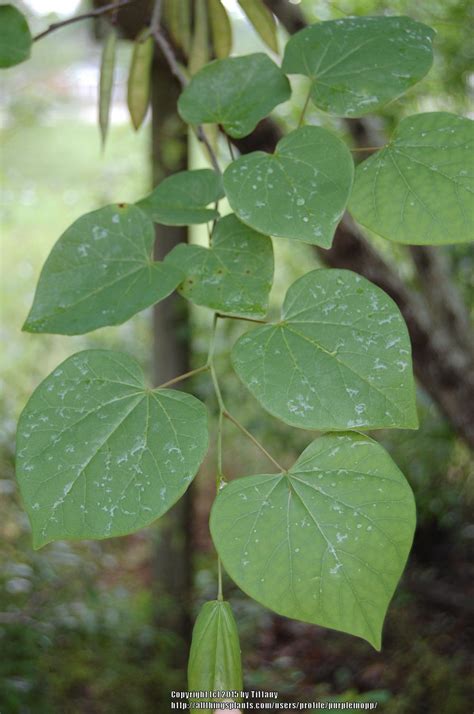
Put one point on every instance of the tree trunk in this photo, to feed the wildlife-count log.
(172, 584)
(171, 356)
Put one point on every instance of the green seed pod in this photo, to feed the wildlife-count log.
(263, 21)
(221, 30)
(199, 54)
(178, 22)
(138, 96)
(106, 83)
(214, 659)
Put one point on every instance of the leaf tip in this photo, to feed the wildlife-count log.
(39, 541)
(28, 326)
(372, 635)
(376, 643)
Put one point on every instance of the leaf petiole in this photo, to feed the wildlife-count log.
(305, 105)
(238, 317)
(242, 428)
(184, 376)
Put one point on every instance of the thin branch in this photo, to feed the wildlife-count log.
(220, 462)
(237, 317)
(253, 440)
(201, 135)
(223, 409)
(186, 375)
(212, 342)
(368, 148)
(220, 595)
(220, 427)
(217, 390)
(156, 16)
(231, 148)
(86, 16)
(169, 55)
(305, 106)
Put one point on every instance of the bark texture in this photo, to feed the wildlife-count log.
(171, 357)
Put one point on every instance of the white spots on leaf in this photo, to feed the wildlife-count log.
(353, 423)
(299, 406)
(83, 250)
(389, 319)
(99, 233)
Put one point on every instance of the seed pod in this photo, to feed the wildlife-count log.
(214, 659)
(199, 54)
(262, 20)
(178, 21)
(221, 29)
(106, 82)
(138, 95)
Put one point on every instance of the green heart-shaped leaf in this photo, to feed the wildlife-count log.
(340, 357)
(15, 36)
(214, 659)
(100, 272)
(99, 454)
(419, 189)
(356, 65)
(236, 93)
(326, 542)
(182, 199)
(298, 192)
(234, 276)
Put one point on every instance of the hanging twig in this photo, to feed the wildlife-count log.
(114, 6)
(169, 55)
(156, 16)
(201, 135)
(254, 441)
(368, 148)
(186, 375)
(239, 317)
